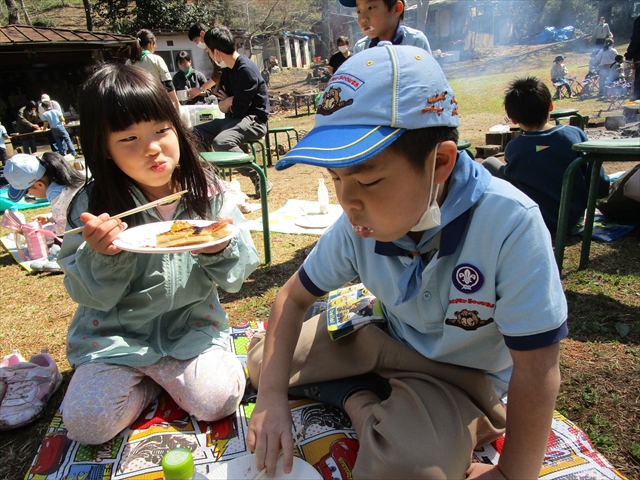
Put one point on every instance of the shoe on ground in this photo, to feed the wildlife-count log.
(38, 265)
(256, 184)
(51, 266)
(29, 387)
(6, 362)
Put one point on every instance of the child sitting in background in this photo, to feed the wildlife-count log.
(559, 74)
(463, 267)
(146, 321)
(49, 177)
(380, 20)
(537, 159)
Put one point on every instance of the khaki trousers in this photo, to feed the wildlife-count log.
(436, 413)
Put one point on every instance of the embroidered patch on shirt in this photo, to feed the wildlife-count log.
(467, 320)
(467, 278)
(539, 148)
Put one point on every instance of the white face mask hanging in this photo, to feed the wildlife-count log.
(431, 217)
(221, 63)
(201, 45)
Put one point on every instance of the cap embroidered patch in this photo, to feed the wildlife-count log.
(467, 278)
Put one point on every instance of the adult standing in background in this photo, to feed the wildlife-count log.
(28, 122)
(196, 35)
(604, 59)
(188, 77)
(343, 53)
(56, 106)
(633, 55)
(601, 32)
(141, 55)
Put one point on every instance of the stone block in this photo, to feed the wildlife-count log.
(484, 151)
(614, 122)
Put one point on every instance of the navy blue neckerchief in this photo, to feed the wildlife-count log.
(409, 281)
(398, 37)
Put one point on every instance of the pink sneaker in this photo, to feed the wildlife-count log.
(6, 362)
(29, 386)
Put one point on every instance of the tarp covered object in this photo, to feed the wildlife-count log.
(553, 34)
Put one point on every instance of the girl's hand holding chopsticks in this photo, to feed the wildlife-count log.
(99, 232)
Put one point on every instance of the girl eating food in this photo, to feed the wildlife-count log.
(146, 322)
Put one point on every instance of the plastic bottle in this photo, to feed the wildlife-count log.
(177, 464)
(323, 197)
(18, 214)
(20, 240)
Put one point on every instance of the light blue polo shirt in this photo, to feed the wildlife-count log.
(493, 285)
(402, 36)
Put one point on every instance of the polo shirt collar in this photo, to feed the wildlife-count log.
(398, 37)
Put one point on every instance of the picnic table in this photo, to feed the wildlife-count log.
(616, 150)
(564, 113)
(306, 99)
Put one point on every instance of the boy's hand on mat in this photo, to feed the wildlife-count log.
(99, 232)
(269, 429)
(485, 472)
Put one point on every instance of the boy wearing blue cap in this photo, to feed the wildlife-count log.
(380, 20)
(463, 266)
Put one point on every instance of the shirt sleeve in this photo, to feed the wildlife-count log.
(529, 299)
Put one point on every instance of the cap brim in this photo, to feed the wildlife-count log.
(340, 146)
(348, 3)
(16, 195)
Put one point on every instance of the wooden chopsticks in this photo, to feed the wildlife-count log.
(296, 442)
(141, 208)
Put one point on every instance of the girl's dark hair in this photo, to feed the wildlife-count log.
(59, 171)
(527, 101)
(31, 105)
(143, 38)
(342, 39)
(416, 145)
(112, 99)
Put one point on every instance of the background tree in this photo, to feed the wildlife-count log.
(13, 12)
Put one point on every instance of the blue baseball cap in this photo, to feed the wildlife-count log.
(22, 171)
(373, 98)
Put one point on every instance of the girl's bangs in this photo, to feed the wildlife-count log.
(130, 101)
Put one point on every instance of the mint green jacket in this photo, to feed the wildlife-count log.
(134, 308)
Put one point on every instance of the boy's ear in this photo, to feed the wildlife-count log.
(398, 8)
(445, 161)
(550, 106)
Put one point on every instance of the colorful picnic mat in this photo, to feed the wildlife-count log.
(9, 243)
(329, 444)
(295, 214)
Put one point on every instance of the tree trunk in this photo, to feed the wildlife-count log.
(25, 13)
(13, 11)
(88, 13)
(326, 29)
(421, 18)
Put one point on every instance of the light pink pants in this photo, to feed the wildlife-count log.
(103, 399)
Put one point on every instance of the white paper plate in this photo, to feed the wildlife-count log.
(244, 467)
(142, 239)
(315, 220)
